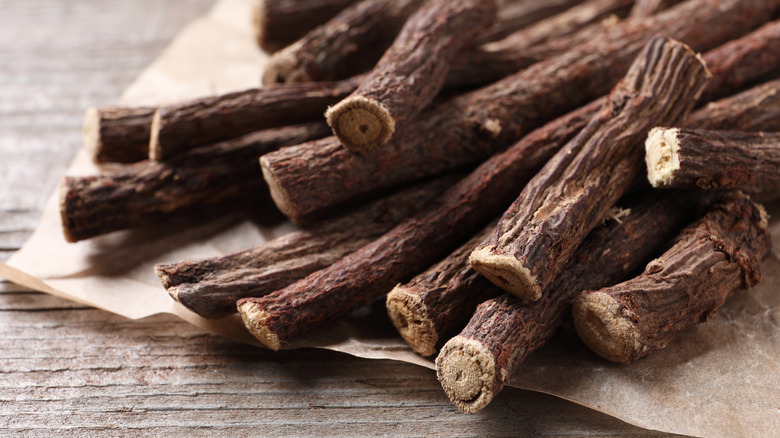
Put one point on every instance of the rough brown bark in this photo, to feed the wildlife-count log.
(182, 127)
(400, 253)
(410, 73)
(648, 8)
(572, 193)
(509, 337)
(149, 191)
(685, 286)
(211, 287)
(118, 134)
(467, 129)
(478, 197)
(504, 330)
(756, 109)
(682, 22)
(436, 303)
(348, 44)
(279, 23)
(714, 160)
(518, 14)
(741, 62)
(520, 49)
(562, 24)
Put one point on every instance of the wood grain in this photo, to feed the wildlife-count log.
(69, 370)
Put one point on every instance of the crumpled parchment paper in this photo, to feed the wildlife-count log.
(720, 379)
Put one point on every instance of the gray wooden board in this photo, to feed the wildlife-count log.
(70, 370)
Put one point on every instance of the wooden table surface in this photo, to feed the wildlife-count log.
(72, 370)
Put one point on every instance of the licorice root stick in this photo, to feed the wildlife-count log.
(118, 134)
(466, 130)
(474, 366)
(714, 160)
(278, 23)
(744, 60)
(512, 340)
(150, 191)
(415, 243)
(431, 307)
(211, 287)
(685, 286)
(185, 126)
(348, 44)
(573, 192)
(410, 73)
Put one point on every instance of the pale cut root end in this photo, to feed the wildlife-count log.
(63, 194)
(466, 371)
(282, 68)
(165, 279)
(90, 133)
(360, 124)
(506, 272)
(155, 152)
(174, 293)
(662, 156)
(254, 317)
(603, 329)
(410, 317)
(278, 193)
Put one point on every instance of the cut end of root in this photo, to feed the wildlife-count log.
(155, 152)
(361, 124)
(90, 132)
(282, 68)
(506, 272)
(174, 293)
(278, 194)
(662, 156)
(466, 371)
(603, 329)
(410, 317)
(164, 277)
(254, 317)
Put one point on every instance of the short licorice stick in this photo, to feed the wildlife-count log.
(415, 243)
(410, 73)
(435, 304)
(348, 44)
(647, 8)
(757, 109)
(118, 134)
(518, 14)
(328, 53)
(474, 366)
(565, 23)
(493, 61)
(278, 23)
(685, 286)
(744, 60)
(211, 287)
(477, 197)
(149, 191)
(714, 160)
(509, 340)
(467, 129)
(573, 192)
(185, 126)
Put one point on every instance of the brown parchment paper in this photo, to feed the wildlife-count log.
(720, 380)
